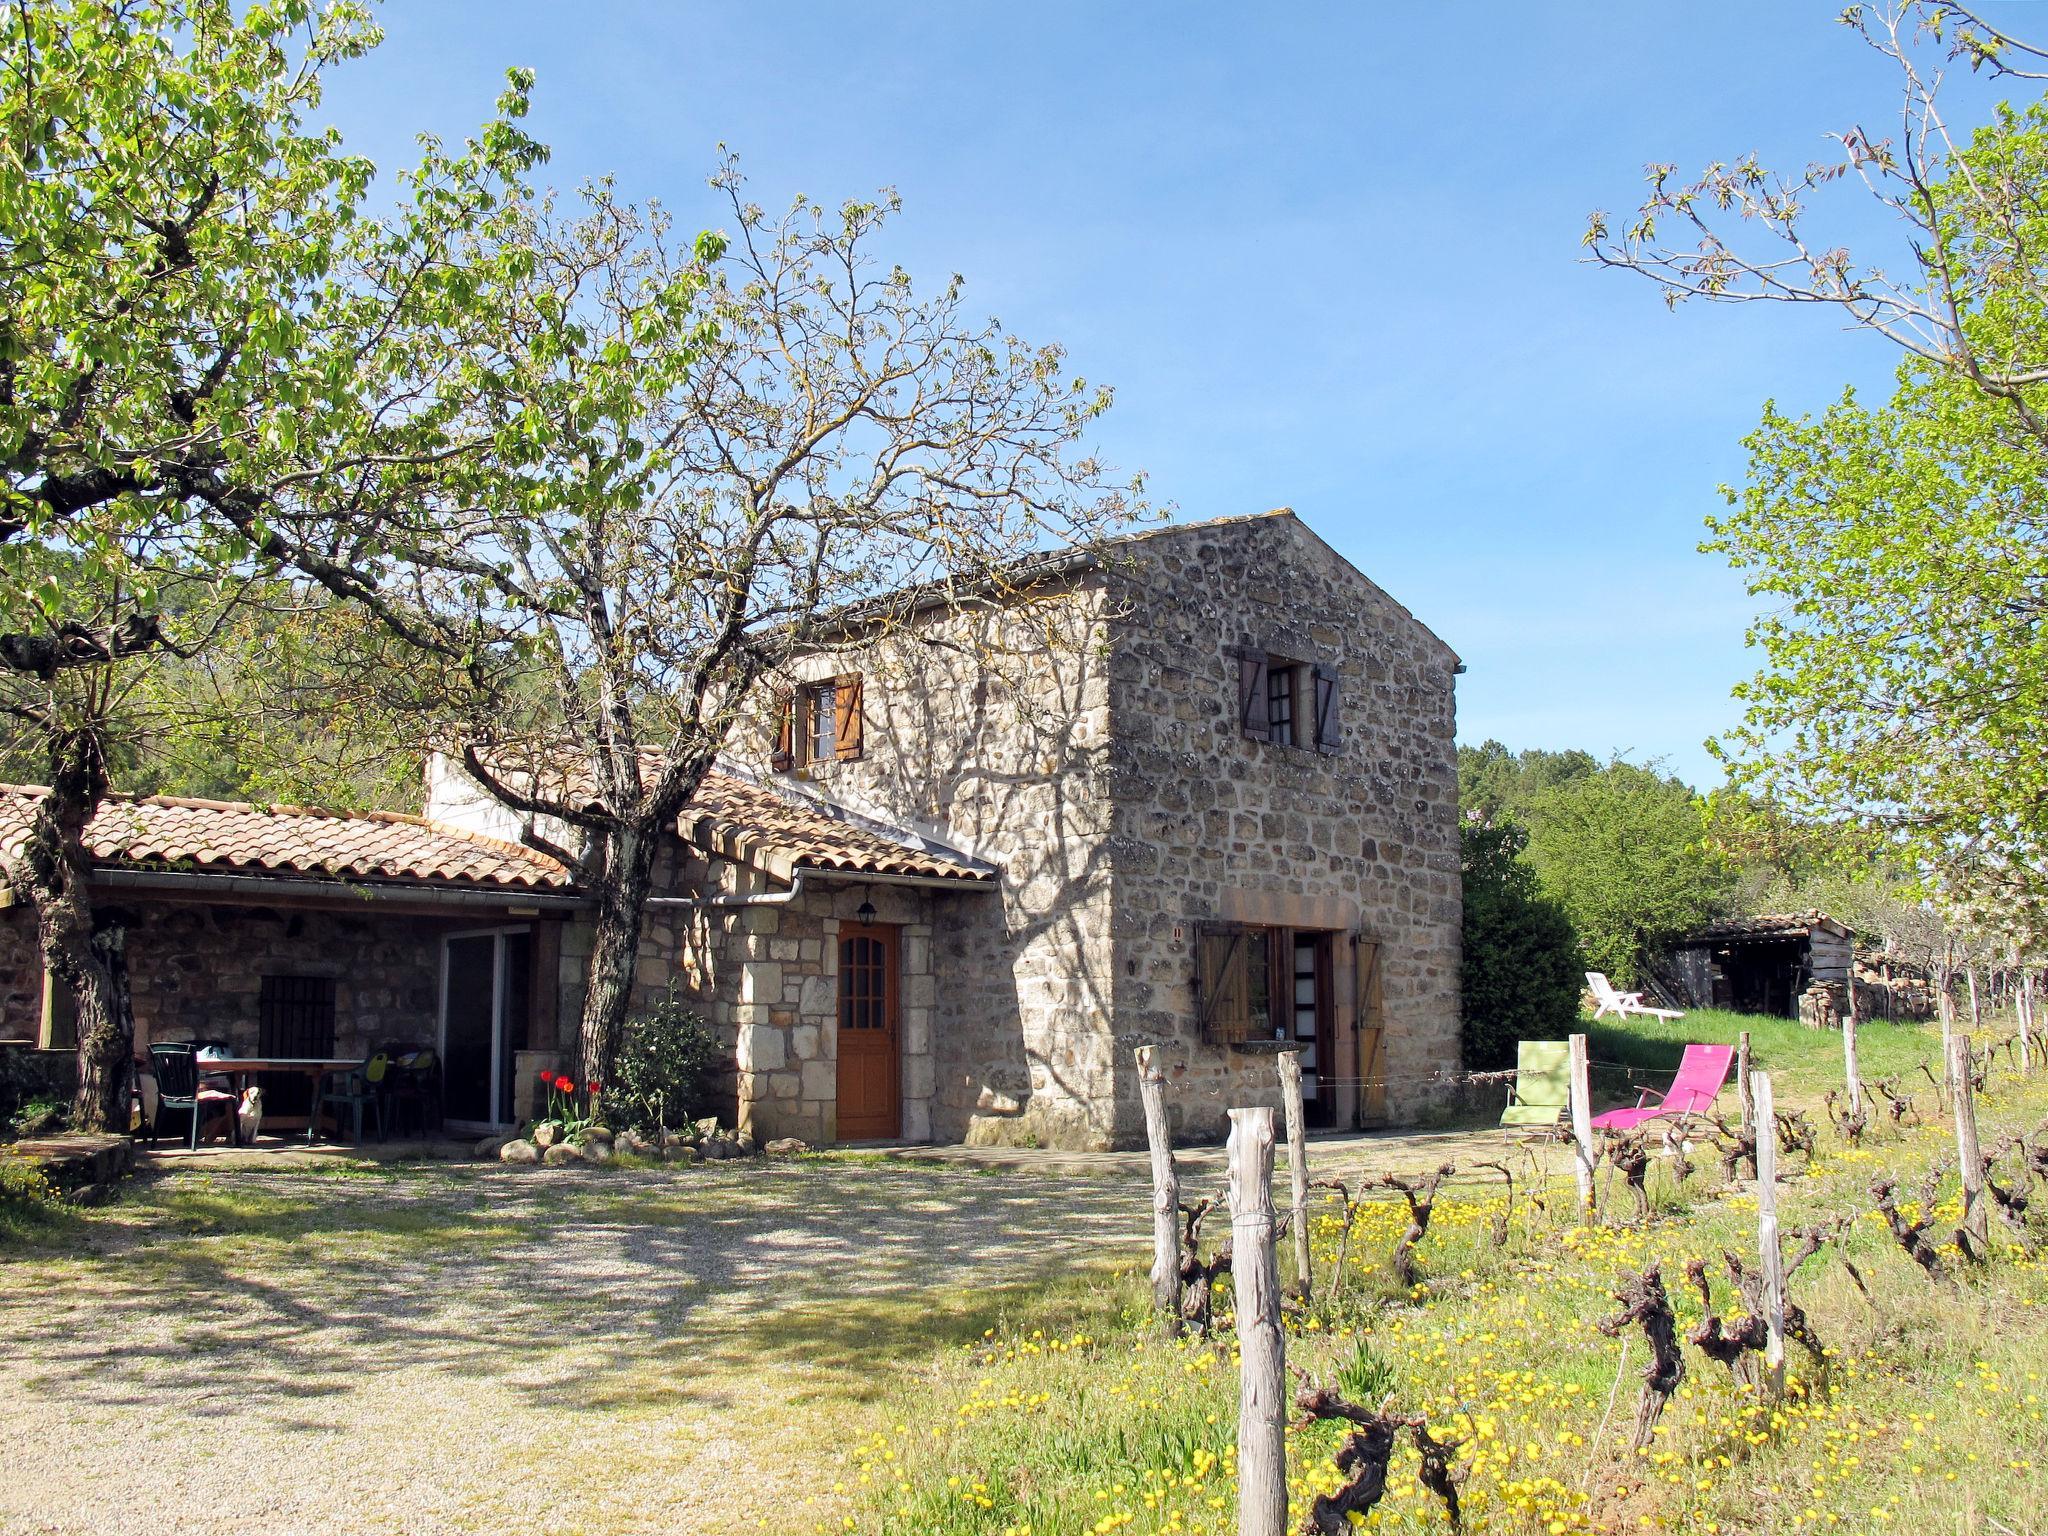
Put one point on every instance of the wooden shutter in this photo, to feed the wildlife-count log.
(1251, 693)
(1369, 1023)
(846, 722)
(1222, 999)
(783, 758)
(1328, 733)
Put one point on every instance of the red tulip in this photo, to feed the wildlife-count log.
(593, 1087)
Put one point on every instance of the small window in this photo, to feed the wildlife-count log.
(1258, 986)
(1280, 703)
(295, 1016)
(1286, 702)
(819, 722)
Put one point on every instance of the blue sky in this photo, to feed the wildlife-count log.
(1328, 256)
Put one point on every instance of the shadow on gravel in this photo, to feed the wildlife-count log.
(585, 1291)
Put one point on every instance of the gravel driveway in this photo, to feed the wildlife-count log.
(438, 1349)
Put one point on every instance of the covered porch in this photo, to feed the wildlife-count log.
(291, 943)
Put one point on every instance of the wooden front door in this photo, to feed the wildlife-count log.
(870, 1064)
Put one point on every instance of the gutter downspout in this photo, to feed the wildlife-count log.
(771, 899)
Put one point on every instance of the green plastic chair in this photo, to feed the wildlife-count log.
(1542, 1090)
(359, 1088)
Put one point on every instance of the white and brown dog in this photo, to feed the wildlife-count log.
(251, 1114)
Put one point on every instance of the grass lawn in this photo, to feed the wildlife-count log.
(1803, 1063)
(1925, 1412)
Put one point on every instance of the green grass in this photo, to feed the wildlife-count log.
(1928, 1413)
(1637, 1052)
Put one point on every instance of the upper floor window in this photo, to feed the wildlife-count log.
(1280, 703)
(1287, 702)
(818, 722)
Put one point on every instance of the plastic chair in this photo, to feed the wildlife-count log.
(1701, 1073)
(359, 1088)
(1542, 1088)
(178, 1086)
(415, 1087)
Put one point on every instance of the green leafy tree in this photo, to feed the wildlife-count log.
(1520, 976)
(1623, 851)
(1496, 785)
(1899, 547)
(203, 335)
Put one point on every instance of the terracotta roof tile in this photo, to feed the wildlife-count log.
(1769, 925)
(756, 825)
(232, 838)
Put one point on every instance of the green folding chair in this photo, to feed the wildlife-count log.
(1542, 1090)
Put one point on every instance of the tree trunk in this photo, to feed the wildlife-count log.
(619, 888)
(1165, 1196)
(78, 953)
(1289, 1064)
(1976, 1011)
(1262, 1393)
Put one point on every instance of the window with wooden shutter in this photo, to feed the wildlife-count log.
(1329, 734)
(1234, 983)
(846, 720)
(1251, 693)
(783, 758)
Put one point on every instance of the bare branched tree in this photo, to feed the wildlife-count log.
(711, 460)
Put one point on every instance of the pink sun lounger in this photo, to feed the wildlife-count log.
(1701, 1073)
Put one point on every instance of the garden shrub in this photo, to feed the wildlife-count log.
(667, 1063)
(1521, 974)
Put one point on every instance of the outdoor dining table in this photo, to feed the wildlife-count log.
(312, 1068)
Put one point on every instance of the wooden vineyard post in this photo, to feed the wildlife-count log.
(2026, 1008)
(1261, 1393)
(1742, 1094)
(1767, 1230)
(1851, 1068)
(1289, 1063)
(1582, 1123)
(1969, 1151)
(1165, 1195)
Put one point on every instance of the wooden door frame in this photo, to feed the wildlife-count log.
(890, 936)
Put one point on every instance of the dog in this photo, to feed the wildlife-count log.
(251, 1114)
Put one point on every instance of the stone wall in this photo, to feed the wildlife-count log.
(21, 975)
(766, 978)
(1211, 825)
(196, 971)
(987, 733)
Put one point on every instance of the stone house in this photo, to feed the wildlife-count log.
(1197, 788)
